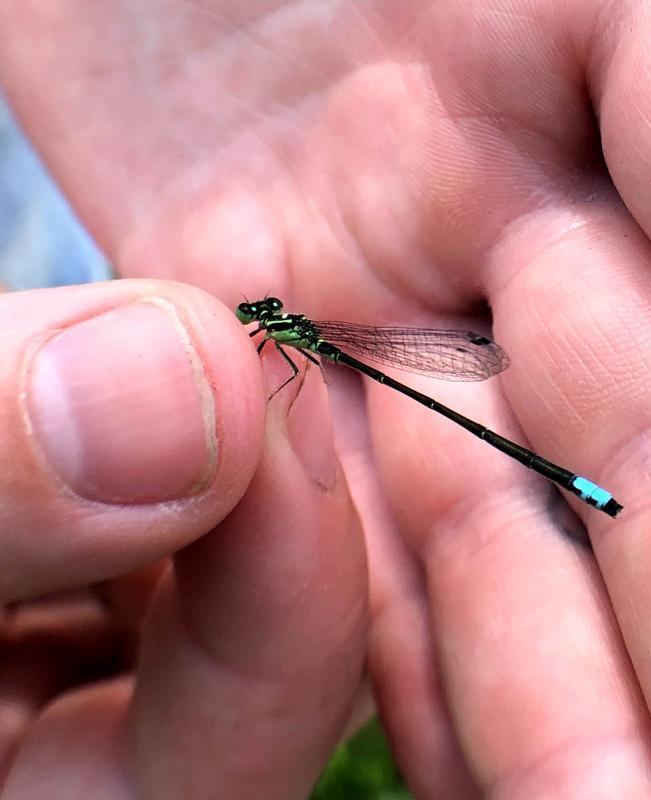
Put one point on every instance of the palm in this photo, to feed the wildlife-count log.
(371, 163)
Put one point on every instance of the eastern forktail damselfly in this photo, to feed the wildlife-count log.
(450, 355)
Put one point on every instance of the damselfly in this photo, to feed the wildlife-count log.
(450, 355)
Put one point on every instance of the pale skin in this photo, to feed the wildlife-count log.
(403, 162)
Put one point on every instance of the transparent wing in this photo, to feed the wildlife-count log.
(449, 355)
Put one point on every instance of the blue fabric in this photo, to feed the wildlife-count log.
(41, 241)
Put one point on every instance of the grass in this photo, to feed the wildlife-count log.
(362, 769)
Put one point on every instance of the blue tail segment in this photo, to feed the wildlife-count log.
(594, 495)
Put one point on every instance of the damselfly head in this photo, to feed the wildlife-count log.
(251, 312)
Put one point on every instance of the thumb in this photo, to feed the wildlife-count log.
(124, 433)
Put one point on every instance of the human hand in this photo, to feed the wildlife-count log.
(405, 163)
(132, 423)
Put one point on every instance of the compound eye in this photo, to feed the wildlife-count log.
(245, 313)
(274, 303)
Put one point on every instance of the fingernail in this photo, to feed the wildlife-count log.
(309, 424)
(122, 408)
